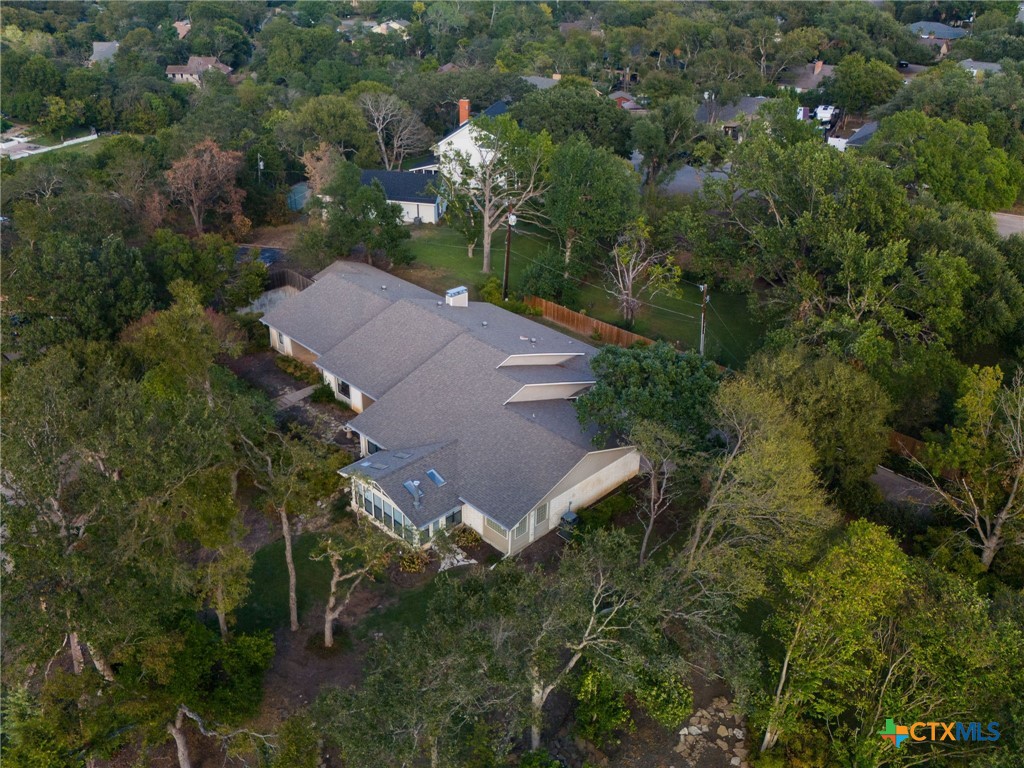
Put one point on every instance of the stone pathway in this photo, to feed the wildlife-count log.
(288, 399)
(718, 727)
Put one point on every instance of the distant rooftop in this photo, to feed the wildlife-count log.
(937, 29)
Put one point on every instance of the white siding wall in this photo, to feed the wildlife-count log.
(462, 141)
(426, 212)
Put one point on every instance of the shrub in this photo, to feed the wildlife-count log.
(601, 514)
(323, 394)
(465, 537)
(298, 369)
(257, 337)
(600, 709)
(413, 561)
(490, 291)
(668, 699)
(539, 759)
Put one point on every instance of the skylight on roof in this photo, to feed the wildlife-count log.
(402, 455)
(435, 477)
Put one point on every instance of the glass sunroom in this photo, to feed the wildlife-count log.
(378, 506)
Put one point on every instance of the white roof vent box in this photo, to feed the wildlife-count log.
(457, 297)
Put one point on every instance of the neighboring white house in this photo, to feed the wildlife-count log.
(193, 71)
(465, 410)
(464, 140)
(412, 191)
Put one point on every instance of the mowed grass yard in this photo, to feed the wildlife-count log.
(442, 263)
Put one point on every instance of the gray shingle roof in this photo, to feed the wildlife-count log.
(403, 186)
(104, 51)
(943, 31)
(541, 83)
(439, 377)
(863, 134)
(981, 66)
(392, 469)
(507, 458)
(746, 106)
(388, 347)
(325, 313)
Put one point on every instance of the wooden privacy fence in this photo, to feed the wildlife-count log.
(584, 325)
(279, 278)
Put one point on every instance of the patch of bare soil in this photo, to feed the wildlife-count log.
(283, 236)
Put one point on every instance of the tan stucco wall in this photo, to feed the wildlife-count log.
(593, 478)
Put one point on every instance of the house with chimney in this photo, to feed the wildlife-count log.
(464, 411)
(463, 139)
(806, 77)
(193, 71)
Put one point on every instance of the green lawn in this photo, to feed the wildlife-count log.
(409, 612)
(267, 606)
(85, 148)
(442, 263)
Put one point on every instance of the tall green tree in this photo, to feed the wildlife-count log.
(952, 161)
(593, 196)
(60, 289)
(509, 175)
(825, 626)
(844, 410)
(764, 508)
(982, 458)
(572, 110)
(859, 84)
(653, 383)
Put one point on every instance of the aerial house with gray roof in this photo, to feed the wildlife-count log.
(465, 411)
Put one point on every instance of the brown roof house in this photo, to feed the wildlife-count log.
(195, 69)
(806, 77)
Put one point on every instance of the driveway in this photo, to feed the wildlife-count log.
(1009, 224)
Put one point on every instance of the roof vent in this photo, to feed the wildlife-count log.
(383, 287)
(484, 323)
(533, 341)
(457, 297)
(439, 302)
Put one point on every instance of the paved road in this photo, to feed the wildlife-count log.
(1009, 224)
(903, 491)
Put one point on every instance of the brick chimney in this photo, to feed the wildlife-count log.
(463, 111)
(817, 66)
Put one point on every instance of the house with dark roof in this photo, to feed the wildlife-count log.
(936, 29)
(981, 68)
(465, 410)
(730, 118)
(193, 71)
(806, 77)
(414, 191)
(103, 52)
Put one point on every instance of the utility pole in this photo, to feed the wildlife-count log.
(508, 251)
(703, 315)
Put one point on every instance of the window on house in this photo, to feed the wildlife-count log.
(495, 527)
(344, 389)
(540, 515)
(371, 447)
(453, 518)
(280, 339)
(521, 529)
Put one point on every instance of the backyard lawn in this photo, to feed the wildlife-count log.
(267, 604)
(441, 263)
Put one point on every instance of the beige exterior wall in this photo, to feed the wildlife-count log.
(597, 475)
(426, 212)
(474, 518)
(291, 348)
(358, 401)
